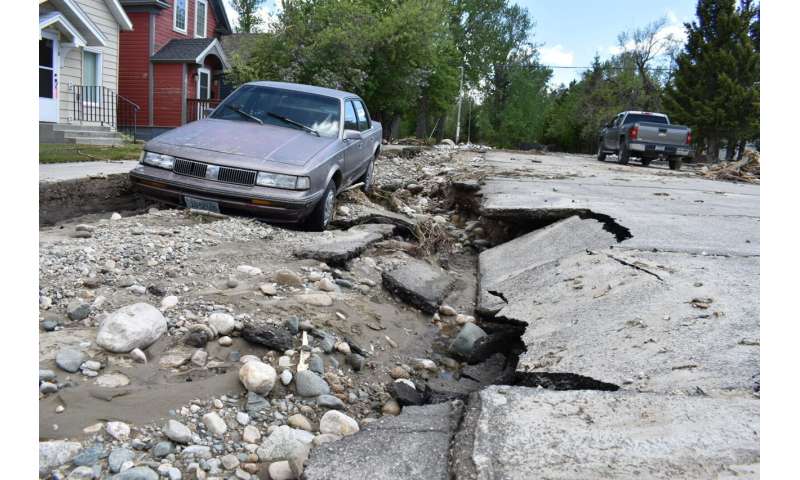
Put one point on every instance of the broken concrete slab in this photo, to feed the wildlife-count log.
(414, 444)
(499, 266)
(344, 245)
(372, 214)
(650, 321)
(522, 433)
(419, 283)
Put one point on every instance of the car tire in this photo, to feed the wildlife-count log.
(624, 154)
(646, 161)
(601, 154)
(368, 178)
(321, 216)
(675, 163)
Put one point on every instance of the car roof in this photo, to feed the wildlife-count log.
(299, 87)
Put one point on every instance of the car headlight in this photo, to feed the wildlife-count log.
(158, 160)
(277, 180)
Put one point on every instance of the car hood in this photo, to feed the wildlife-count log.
(267, 143)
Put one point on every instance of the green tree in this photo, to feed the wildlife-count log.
(715, 89)
(249, 21)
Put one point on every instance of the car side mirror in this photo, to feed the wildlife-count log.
(352, 135)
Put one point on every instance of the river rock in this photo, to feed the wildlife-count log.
(119, 456)
(223, 323)
(137, 473)
(215, 424)
(168, 302)
(280, 471)
(288, 278)
(465, 340)
(284, 443)
(199, 357)
(162, 449)
(337, 423)
(268, 289)
(251, 434)
(330, 401)
(315, 299)
(55, 453)
(309, 384)
(258, 377)
(255, 403)
(299, 420)
(69, 359)
(286, 377)
(177, 432)
(82, 473)
(270, 336)
(134, 326)
(78, 310)
(112, 380)
(119, 430)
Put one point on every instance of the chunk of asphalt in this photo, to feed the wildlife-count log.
(414, 444)
(419, 284)
(666, 436)
(272, 337)
(344, 245)
(498, 267)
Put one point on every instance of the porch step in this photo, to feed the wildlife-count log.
(90, 133)
(94, 140)
(69, 127)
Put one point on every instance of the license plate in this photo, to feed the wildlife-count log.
(199, 204)
(659, 148)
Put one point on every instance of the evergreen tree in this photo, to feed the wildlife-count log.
(715, 89)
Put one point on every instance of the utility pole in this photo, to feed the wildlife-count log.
(460, 95)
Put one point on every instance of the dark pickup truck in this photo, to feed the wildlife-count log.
(647, 136)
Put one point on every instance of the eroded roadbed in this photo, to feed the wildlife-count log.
(368, 352)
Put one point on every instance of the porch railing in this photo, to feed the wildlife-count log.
(196, 108)
(99, 104)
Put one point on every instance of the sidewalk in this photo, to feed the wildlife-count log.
(56, 172)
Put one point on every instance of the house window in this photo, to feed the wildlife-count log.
(201, 11)
(179, 16)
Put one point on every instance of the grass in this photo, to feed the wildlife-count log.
(62, 153)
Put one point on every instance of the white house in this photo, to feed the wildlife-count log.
(78, 70)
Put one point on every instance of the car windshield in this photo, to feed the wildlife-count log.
(317, 112)
(640, 117)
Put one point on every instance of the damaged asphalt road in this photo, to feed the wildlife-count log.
(614, 308)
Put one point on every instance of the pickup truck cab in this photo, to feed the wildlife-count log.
(647, 136)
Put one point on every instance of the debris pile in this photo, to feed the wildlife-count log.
(748, 169)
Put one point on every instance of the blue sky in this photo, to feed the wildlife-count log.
(572, 31)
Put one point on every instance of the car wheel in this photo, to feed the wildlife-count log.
(322, 214)
(368, 178)
(646, 162)
(601, 154)
(675, 163)
(624, 154)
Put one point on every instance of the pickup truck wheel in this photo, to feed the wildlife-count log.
(601, 154)
(322, 214)
(624, 154)
(646, 162)
(675, 163)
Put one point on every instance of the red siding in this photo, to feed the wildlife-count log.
(165, 32)
(168, 82)
(167, 99)
(134, 60)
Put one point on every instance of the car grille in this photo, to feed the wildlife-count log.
(238, 176)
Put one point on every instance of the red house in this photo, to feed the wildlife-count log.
(171, 63)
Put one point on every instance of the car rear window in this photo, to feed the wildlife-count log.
(640, 117)
(315, 111)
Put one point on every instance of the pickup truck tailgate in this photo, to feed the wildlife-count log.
(663, 134)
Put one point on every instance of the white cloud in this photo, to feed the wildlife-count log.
(671, 17)
(267, 13)
(556, 55)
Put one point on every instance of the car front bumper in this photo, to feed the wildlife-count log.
(284, 206)
(661, 149)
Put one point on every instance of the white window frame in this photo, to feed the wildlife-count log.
(197, 4)
(207, 71)
(99, 70)
(175, 16)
